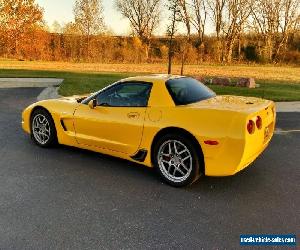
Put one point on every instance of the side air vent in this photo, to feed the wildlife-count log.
(140, 155)
(63, 125)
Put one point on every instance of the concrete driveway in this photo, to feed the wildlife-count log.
(66, 198)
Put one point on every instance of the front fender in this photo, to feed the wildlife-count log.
(61, 111)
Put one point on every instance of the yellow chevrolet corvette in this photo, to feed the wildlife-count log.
(175, 124)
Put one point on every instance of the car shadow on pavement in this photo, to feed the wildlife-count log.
(88, 160)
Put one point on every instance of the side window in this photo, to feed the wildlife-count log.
(125, 95)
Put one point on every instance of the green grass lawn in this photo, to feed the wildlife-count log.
(82, 82)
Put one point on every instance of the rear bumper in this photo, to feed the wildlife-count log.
(247, 161)
(237, 163)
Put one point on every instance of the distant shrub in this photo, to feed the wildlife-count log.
(292, 57)
(250, 53)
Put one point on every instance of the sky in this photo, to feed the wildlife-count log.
(62, 11)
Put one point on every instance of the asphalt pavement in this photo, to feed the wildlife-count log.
(67, 198)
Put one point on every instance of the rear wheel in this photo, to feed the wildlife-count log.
(176, 160)
(43, 131)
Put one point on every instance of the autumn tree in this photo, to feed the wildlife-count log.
(89, 19)
(73, 42)
(143, 16)
(16, 18)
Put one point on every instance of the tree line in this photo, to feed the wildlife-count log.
(263, 31)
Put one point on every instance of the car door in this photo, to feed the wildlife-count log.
(117, 122)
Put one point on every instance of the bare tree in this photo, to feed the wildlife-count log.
(266, 23)
(185, 16)
(56, 27)
(143, 16)
(174, 18)
(275, 22)
(198, 21)
(217, 8)
(290, 16)
(185, 43)
(89, 18)
(237, 12)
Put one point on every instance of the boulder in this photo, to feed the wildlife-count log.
(202, 79)
(246, 82)
(221, 81)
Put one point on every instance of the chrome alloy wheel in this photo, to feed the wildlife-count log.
(175, 160)
(41, 129)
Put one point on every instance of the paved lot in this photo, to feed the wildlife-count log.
(29, 82)
(67, 198)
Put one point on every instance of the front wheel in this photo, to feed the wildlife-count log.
(176, 160)
(43, 131)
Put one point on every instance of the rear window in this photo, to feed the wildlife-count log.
(188, 90)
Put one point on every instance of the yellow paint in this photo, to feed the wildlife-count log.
(122, 131)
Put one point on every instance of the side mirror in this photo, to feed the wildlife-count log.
(92, 103)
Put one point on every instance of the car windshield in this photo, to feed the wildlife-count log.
(186, 90)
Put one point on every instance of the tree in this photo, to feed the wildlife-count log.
(89, 19)
(217, 8)
(16, 18)
(274, 21)
(56, 27)
(198, 21)
(185, 43)
(174, 9)
(237, 12)
(72, 42)
(143, 16)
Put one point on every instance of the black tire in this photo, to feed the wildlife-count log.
(194, 163)
(52, 140)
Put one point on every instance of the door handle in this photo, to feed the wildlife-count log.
(133, 115)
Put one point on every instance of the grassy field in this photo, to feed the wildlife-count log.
(276, 83)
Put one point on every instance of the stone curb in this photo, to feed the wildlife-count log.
(49, 93)
(51, 85)
(287, 106)
(29, 82)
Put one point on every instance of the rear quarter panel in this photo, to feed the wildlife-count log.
(226, 127)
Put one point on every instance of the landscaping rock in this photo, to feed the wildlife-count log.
(246, 82)
(200, 79)
(221, 81)
(203, 80)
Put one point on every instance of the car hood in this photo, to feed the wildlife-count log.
(232, 103)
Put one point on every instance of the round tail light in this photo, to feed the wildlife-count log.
(251, 127)
(258, 122)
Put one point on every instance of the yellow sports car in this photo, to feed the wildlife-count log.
(175, 124)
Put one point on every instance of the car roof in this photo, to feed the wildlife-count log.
(153, 78)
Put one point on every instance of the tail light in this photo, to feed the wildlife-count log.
(258, 122)
(251, 127)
